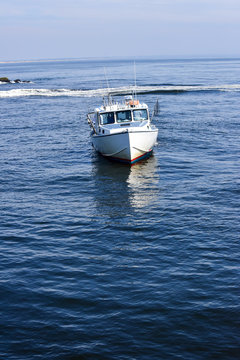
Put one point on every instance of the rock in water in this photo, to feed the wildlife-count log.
(4, 79)
(17, 81)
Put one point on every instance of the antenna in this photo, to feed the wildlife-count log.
(106, 78)
(135, 79)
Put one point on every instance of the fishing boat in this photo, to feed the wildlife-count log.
(123, 131)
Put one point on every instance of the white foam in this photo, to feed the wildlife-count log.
(116, 91)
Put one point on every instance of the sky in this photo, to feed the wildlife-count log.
(52, 29)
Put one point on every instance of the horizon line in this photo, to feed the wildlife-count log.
(161, 57)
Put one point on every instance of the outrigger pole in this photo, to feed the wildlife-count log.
(155, 110)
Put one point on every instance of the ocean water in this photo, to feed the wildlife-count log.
(100, 260)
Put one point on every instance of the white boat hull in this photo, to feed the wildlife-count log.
(128, 146)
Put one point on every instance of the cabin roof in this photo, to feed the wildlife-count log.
(120, 107)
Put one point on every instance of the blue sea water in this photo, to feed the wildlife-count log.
(100, 260)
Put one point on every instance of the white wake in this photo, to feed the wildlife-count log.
(115, 91)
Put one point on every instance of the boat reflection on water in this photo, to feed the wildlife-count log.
(121, 190)
(143, 181)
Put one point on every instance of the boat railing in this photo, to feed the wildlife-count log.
(90, 122)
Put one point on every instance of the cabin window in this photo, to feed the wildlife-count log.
(140, 115)
(123, 116)
(107, 118)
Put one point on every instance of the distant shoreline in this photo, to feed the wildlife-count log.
(33, 61)
(126, 58)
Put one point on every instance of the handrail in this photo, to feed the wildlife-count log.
(91, 123)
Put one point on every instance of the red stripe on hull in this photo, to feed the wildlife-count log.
(133, 161)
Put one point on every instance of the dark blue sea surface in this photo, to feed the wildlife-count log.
(100, 260)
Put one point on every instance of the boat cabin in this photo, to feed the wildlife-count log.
(129, 111)
(122, 116)
(109, 118)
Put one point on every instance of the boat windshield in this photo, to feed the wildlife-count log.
(140, 115)
(123, 116)
(107, 118)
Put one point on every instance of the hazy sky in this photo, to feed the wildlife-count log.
(40, 29)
